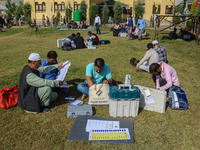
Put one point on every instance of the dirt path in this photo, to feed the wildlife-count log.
(10, 36)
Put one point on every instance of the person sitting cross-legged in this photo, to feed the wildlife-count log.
(52, 75)
(161, 51)
(35, 93)
(151, 56)
(94, 37)
(96, 73)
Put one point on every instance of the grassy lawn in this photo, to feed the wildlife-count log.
(172, 130)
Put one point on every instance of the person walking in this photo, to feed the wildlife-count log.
(131, 24)
(141, 25)
(97, 22)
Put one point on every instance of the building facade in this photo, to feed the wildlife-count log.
(50, 7)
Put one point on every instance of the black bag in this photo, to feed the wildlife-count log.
(67, 47)
(105, 42)
(115, 33)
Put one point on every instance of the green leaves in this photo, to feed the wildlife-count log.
(117, 12)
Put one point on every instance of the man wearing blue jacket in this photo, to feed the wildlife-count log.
(51, 75)
(141, 25)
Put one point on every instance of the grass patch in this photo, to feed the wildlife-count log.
(172, 130)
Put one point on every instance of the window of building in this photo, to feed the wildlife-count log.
(59, 7)
(156, 9)
(40, 7)
(36, 6)
(43, 7)
(55, 6)
(76, 6)
(62, 6)
(169, 9)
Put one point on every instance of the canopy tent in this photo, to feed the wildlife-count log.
(111, 3)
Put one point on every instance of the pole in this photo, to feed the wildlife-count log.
(198, 31)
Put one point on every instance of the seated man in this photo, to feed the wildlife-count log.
(70, 40)
(79, 41)
(94, 37)
(96, 73)
(116, 26)
(35, 93)
(151, 56)
(51, 75)
(163, 75)
(161, 51)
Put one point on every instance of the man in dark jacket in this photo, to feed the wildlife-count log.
(35, 93)
(94, 37)
(79, 41)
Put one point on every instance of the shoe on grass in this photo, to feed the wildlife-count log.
(44, 109)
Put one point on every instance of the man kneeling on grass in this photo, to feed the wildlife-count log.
(96, 73)
(164, 76)
(35, 93)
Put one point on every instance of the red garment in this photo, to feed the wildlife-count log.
(8, 97)
(96, 40)
(196, 3)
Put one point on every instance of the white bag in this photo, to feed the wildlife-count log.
(98, 94)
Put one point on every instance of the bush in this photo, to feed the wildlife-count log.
(27, 13)
(117, 12)
(19, 10)
(83, 8)
(105, 13)
(11, 8)
(139, 10)
(57, 17)
(92, 11)
(178, 10)
(68, 13)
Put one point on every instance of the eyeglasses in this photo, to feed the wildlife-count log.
(154, 45)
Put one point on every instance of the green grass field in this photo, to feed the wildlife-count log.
(174, 129)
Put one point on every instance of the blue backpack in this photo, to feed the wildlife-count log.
(178, 98)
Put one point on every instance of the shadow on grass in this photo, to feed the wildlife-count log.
(72, 92)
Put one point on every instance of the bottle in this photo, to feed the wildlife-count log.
(128, 79)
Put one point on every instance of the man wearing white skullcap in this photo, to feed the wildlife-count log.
(160, 50)
(35, 93)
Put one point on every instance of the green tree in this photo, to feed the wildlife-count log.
(83, 8)
(117, 12)
(178, 9)
(92, 11)
(105, 13)
(139, 10)
(57, 17)
(68, 12)
(195, 10)
(19, 10)
(11, 8)
(27, 13)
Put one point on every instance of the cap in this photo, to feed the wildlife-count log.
(155, 42)
(34, 57)
(89, 32)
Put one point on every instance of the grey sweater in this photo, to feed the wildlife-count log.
(151, 56)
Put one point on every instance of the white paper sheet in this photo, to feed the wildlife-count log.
(63, 71)
(101, 125)
(149, 100)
